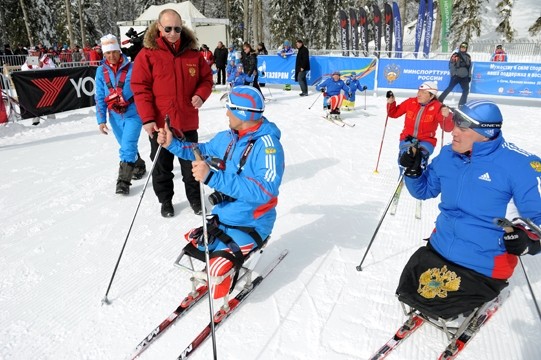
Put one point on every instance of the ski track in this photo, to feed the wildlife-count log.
(64, 227)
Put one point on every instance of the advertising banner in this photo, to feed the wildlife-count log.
(507, 79)
(428, 27)
(377, 29)
(43, 92)
(344, 32)
(397, 30)
(363, 23)
(420, 26)
(354, 23)
(388, 28)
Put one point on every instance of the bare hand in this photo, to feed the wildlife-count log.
(445, 111)
(390, 100)
(103, 128)
(200, 170)
(165, 136)
(197, 102)
(150, 128)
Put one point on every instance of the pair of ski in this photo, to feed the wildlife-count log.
(190, 301)
(338, 121)
(396, 199)
(455, 347)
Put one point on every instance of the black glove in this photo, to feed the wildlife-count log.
(365, 87)
(411, 159)
(521, 241)
(349, 94)
(389, 94)
(322, 90)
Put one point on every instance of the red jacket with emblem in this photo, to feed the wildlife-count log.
(164, 81)
(421, 120)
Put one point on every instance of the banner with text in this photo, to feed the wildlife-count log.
(507, 79)
(43, 92)
(282, 71)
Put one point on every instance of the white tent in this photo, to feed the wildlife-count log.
(208, 30)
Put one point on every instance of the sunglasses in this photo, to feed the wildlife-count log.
(464, 121)
(231, 106)
(168, 29)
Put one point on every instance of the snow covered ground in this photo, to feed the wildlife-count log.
(62, 229)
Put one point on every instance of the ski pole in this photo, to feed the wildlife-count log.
(270, 94)
(381, 146)
(315, 100)
(365, 99)
(360, 266)
(105, 300)
(507, 226)
(199, 157)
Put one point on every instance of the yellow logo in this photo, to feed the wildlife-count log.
(192, 71)
(536, 165)
(391, 73)
(438, 282)
(270, 151)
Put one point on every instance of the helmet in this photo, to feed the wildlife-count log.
(482, 116)
(246, 103)
(429, 86)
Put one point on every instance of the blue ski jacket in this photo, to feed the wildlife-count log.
(354, 85)
(474, 190)
(255, 185)
(333, 87)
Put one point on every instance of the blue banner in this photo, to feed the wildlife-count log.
(507, 79)
(428, 28)
(410, 73)
(276, 70)
(397, 30)
(419, 27)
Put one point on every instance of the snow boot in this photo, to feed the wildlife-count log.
(125, 173)
(140, 168)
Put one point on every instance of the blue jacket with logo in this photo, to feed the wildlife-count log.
(333, 87)
(255, 188)
(475, 190)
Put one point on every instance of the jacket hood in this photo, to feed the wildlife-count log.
(187, 38)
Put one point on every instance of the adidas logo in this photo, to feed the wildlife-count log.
(485, 177)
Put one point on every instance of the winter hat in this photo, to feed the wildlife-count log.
(231, 46)
(429, 86)
(482, 116)
(109, 43)
(336, 73)
(464, 44)
(246, 103)
(287, 43)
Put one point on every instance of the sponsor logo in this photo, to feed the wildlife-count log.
(391, 73)
(51, 89)
(270, 150)
(485, 177)
(536, 165)
(438, 282)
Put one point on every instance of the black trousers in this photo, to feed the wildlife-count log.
(301, 76)
(464, 84)
(221, 76)
(162, 175)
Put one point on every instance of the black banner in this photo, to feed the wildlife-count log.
(377, 30)
(363, 24)
(354, 23)
(43, 92)
(344, 33)
(388, 10)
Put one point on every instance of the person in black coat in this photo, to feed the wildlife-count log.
(302, 66)
(249, 62)
(220, 60)
(460, 67)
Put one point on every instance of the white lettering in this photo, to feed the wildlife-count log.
(81, 85)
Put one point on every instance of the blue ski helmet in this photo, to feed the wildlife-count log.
(246, 103)
(482, 116)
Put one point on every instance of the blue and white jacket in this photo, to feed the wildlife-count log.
(475, 190)
(255, 188)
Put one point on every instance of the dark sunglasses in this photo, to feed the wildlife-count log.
(464, 121)
(168, 29)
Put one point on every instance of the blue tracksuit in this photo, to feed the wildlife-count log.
(332, 88)
(126, 126)
(353, 85)
(255, 188)
(239, 78)
(475, 190)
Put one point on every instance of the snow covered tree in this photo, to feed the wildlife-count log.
(505, 8)
(535, 28)
(466, 21)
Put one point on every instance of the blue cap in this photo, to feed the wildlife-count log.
(287, 43)
(487, 115)
(246, 103)
(231, 46)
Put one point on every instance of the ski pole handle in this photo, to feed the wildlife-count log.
(197, 153)
(505, 224)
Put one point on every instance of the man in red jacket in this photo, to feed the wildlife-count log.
(423, 115)
(171, 78)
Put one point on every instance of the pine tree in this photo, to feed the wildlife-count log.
(466, 21)
(505, 8)
(536, 27)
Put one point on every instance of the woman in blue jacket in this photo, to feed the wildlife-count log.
(114, 97)
(478, 176)
(246, 181)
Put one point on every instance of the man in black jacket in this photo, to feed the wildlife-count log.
(302, 66)
(220, 59)
(460, 68)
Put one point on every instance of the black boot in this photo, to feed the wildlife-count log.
(140, 169)
(125, 172)
(167, 209)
